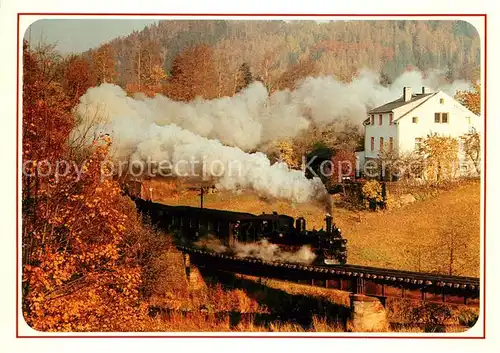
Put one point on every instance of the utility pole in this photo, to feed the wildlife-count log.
(201, 197)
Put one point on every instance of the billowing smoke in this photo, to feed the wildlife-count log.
(211, 243)
(182, 153)
(252, 117)
(260, 250)
(206, 139)
(272, 252)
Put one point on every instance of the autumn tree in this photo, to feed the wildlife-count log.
(406, 166)
(471, 99)
(296, 73)
(471, 146)
(269, 64)
(440, 157)
(344, 165)
(77, 78)
(372, 192)
(284, 151)
(244, 77)
(43, 98)
(148, 65)
(193, 74)
(79, 264)
(387, 160)
(104, 64)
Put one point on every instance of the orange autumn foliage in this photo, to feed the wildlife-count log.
(193, 74)
(78, 78)
(80, 271)
(471, 99)
(104, 64)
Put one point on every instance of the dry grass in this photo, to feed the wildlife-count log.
(331, 295)
(199, 322)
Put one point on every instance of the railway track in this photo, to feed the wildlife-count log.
(371, 281)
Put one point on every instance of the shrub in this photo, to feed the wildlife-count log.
(372, 194)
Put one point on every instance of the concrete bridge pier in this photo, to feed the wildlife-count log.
(187, 264)
(368, 314)
(193, 275)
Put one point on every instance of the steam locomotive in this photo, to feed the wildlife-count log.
(238, 227)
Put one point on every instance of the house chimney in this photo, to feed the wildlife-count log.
(424, 90)
(406, 94)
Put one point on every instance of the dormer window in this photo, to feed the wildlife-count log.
(390, 119)
(441, 100)
(380, 119)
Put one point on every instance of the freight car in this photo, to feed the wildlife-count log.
(238, 227)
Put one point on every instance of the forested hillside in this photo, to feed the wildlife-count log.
(219, 54)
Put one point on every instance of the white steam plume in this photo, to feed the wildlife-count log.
(251, 117)
(191, 155)
(260, 250)
(196, 138)
(177, 152)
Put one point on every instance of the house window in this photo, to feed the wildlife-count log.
(390, 119)
(380, 119)
(441, 100)
(381, 143)
(372, 143)
(418, 143)
(441, 118)
(414, 120)
(391, 143)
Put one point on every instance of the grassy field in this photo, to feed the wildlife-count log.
(439, 234)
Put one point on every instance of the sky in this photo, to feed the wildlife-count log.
(78, 35)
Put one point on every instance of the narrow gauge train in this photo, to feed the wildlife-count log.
(230, 227)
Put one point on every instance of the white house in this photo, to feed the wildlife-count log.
(402, 124)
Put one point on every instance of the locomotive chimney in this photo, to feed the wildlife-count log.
(300, 224)
(328, 220)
